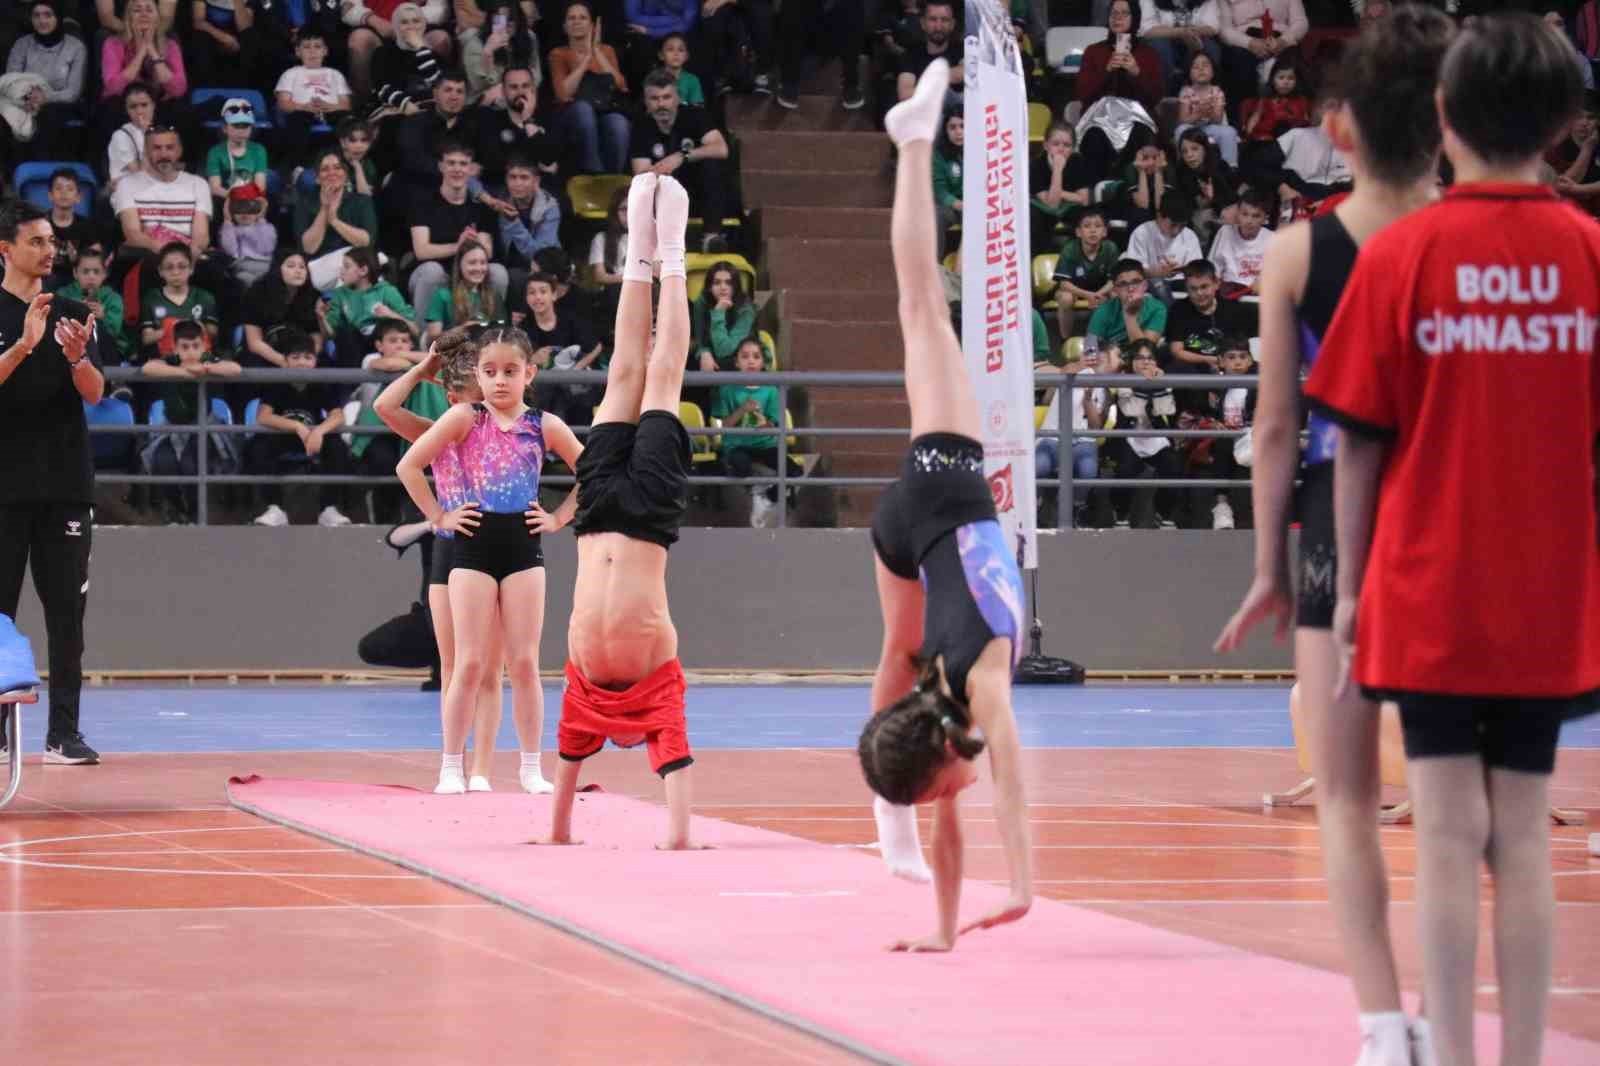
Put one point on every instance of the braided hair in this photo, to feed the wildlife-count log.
(903, 745)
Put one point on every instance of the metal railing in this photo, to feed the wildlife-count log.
(785, 382)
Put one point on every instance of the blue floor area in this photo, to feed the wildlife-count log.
(138, 718)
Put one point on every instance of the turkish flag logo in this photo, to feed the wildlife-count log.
(1000, 489)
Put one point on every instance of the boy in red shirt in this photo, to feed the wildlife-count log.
(1480, 615)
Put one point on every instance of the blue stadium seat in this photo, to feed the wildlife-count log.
(32, 182)
(112, 451)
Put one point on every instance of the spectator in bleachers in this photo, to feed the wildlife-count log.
(371, 23)
(647, 23)
(363, 296)
(236, 159)
(608, 253)
(170, 454)
(947, 187)
(283, 299)
(355, 147)
(89, 286)
(674, 56)
(214, 48)
(113, 14)
(1121, 65)
(723, 315)
(734, 44)
(470, 297)
(418, 137)
(1196, 327)
(509, 128)
(1149, 406)
(1179, 31)
(310, 416)
(246, 237)
(941, 39)
(570, 296)
(1134, 314)
(1202, 104)
(588, 83)
(1239, 249)
(1575, 159)
(1146, 175)
(1556, 20)
(1255, 32)
(1227, 458)
(564, 340)
(60, 59)
(1286, 105)
(125, 151)
(445, 223)
(175, 300)
(1206, 182)
(1313, 166)
(143, 51)
(404, 68)
(752, 407)
(1090, 410)
(1164, 245)
(74, 232)
(530, 220)
(1059, 183)
(21, 135)
(1084, 269)
(161, 204)
(677, 140)
(308, 95)
(331, 217)
(504, 41)
(393, 349)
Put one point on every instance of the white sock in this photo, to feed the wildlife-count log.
(1423, 1052)
(531, 775)
(672, 221)
(1388, 1034)
(917, 117)
(530, 761)
(451, 763)
(451, 780)
(640, 265)
(897, 840)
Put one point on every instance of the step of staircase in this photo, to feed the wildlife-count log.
(844, 223)
(816, 112)
(871, 407)
(829, 263)
(852, 305)
(816, 188)
(841, 345)
(807, 150)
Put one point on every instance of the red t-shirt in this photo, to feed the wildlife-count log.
(1484, 575)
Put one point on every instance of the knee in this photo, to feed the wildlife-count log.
(523, 667)
(580, 115)
(499, 278)
(1462, 829)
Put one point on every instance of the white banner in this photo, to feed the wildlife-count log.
(996, 268)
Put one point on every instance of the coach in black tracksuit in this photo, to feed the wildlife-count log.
(48, 370)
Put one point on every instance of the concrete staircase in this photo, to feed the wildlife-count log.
(820, 180)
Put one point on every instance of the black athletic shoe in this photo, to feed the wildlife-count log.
(70, 750)
(854, 99)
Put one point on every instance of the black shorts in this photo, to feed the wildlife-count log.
(441, 560)
(1507, 732)
(941, 488)
(634, 479)
(500, 546)
(1319, 558)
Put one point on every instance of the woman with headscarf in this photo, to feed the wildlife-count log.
(58, 58)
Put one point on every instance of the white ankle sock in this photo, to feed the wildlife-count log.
(897, 840)
(1388, 1034)
(640, 264)
(530, 761)
(451, 762)
(917, 117)
(672, 221)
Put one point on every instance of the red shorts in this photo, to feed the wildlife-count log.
(648, 711)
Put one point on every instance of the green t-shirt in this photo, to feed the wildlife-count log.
(182, 398)
(156, 311)
(1088, 272)
(730, 398)
(1041, 342)
(442, 307)
(240, 170)
(353, 308)
(1107, 323)
(354, 210)
(724, 334)
(427, 400)
(947, 188)
(689, 90)
(111, 300)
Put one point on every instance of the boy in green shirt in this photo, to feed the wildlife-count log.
(674, 55)
(1134, 314)
(1084, 268)
(176, 301)
(752, 407)
(236, 159)
(89, 286)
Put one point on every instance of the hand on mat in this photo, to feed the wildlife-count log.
(1009, 911)
(1267, 598)
(539, 520)
(937, 942)
(463, 519)
(1345, 611)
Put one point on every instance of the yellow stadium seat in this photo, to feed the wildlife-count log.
(951, 260)
(1044, 268)
(1040, 410)
(805, 459)
(591, 193)
(771, 346)
(1038, 122)
(1072, 350)
(704, 446)
(698, 264)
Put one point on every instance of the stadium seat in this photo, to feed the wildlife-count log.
(200, 97)
(591, 193)
(704, 447)
(1064, 45)
(1072, 349)
(1038, 122)
(1044, 285)
(697, 264)
(112, 451)
(771, 346)
(1040, 411)
(219, 412)
(32, 183)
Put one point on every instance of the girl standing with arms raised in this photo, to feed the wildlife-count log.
(497, 556)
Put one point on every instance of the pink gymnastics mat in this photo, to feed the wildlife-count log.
(796, 931)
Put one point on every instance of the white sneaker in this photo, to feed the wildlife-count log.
(272, 516)
(1422, 1049)
(532, 779)
(1222, 515)
(331, 516)
(761, 509)
(1390, 1047)
(451, 783)
(478, 783)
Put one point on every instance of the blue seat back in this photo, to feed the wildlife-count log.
(32, 182)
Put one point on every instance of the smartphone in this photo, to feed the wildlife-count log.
(1124, 43)
(500, 21)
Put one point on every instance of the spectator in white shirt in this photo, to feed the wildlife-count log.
(1178, 30)
(1254, 33)
(1165, 245)
(1239, 249)
(1314, 168)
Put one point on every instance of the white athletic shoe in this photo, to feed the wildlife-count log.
(478, 783)
(1388, 1048)
(761, 509)
(451, 783)
(1422, 1049)
(1222, 515)
(532, 779)
(272, 516)
(331, 516)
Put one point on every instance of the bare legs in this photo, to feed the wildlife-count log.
(522, 622)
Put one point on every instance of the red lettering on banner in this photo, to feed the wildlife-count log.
(1000, 489)
(1002, 289)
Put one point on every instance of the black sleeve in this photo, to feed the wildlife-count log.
(253, 313)
(273, 396)
(390, 76)
(584, 332)
(644, 131)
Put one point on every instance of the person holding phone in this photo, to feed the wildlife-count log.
(1121, 65)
